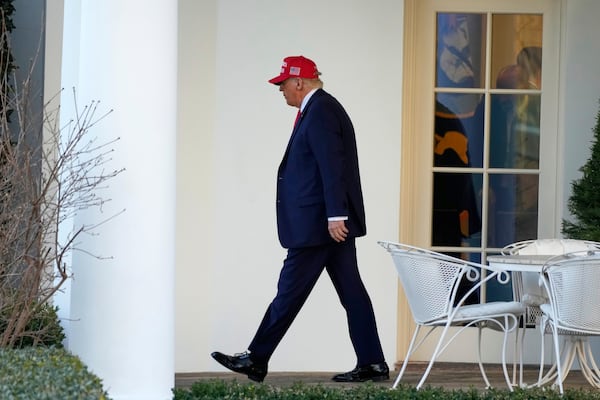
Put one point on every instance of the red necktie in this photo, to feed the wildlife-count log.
(297, 118)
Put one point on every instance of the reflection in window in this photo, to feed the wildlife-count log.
(456, 208)
(513, 208)
(459, 126)
(517, 41)
(515, 131)
(460, 50)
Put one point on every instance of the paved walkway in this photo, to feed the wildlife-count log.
(447, 375)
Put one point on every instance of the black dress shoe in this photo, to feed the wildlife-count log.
(372, 372)
(242, 363)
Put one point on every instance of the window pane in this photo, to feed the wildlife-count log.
(458, 130)
(515, 131)
(460, 50)
(513, 207)
(456, 209)
(517, 45)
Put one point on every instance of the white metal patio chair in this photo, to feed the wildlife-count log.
(431, 281)
(573, 312)
(532, 293)
(529, 290)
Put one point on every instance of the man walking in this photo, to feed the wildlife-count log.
(320, 212)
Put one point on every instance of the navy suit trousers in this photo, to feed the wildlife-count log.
(301, 270)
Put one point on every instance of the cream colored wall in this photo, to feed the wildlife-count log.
(233, 129)
(581, 95)
(580, 100)
(194, 246)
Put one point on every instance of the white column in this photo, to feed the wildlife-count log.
(122, 307)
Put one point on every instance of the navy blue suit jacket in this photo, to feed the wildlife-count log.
(319, 176)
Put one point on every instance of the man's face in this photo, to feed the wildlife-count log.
(291, 89)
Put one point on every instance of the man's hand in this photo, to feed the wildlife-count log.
(338, 230)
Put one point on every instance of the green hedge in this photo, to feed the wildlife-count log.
(232, 390)
(39, 373)
(42, 329)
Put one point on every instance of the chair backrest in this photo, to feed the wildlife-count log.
(572, 280)
(533, 292)
(514, 248)
(429, 283)
(551, 247)
(431, 280)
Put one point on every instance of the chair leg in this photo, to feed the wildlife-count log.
(570, 351)
(399, 377)
(408, 354)
(557, 352)
(504, 343)
(543, 335)
(518, 353)
(521, 383)
(434, 356)
(590, 359)
(551, 374)
(566, 357)
(588, 366)
(483, 374)
(592, 362)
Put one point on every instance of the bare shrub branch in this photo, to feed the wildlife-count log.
(48, 173)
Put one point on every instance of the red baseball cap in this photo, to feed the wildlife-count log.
(296, 67)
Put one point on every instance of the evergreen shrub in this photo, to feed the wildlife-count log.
(40, 373)
(584, 203)
(42, 329)
(232, 390)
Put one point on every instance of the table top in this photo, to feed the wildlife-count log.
(520, 262)
(520, 258)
